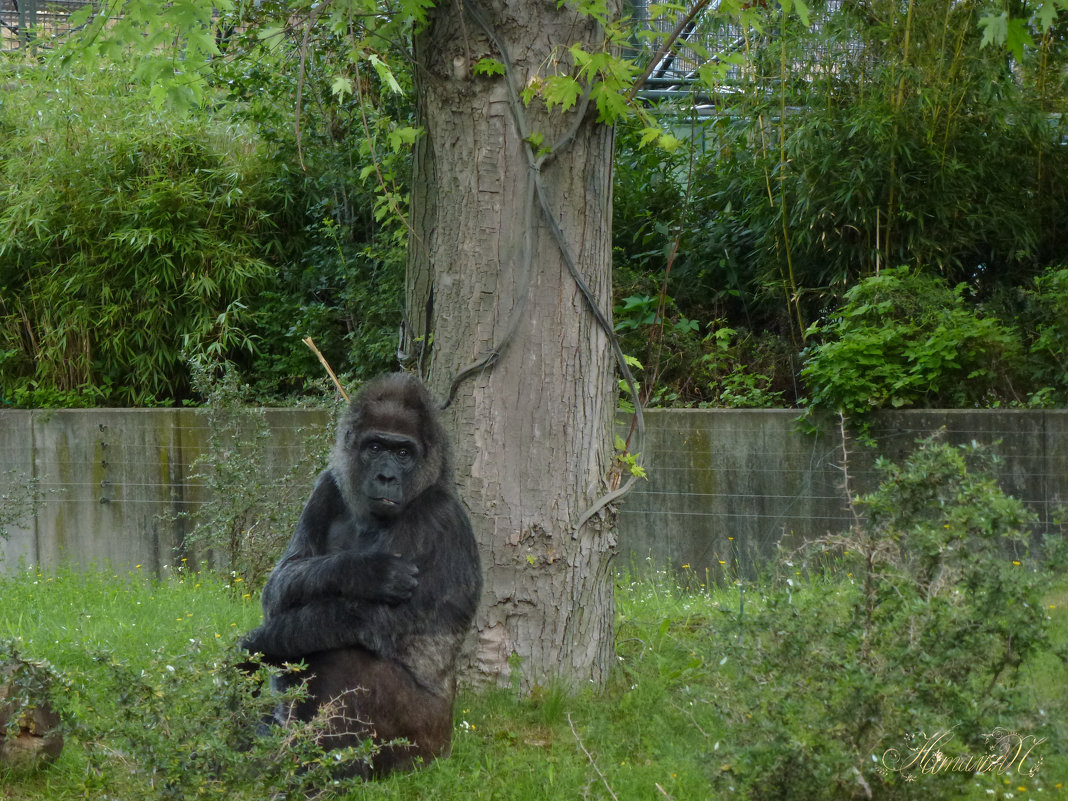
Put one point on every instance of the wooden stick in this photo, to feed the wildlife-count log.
(311, 344)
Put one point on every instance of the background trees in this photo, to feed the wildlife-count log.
(881, 134)
(829, 145)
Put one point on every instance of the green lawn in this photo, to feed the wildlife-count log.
(689, 713)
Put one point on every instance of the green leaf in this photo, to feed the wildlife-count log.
(649, 135)
(636, 301)
(582, 58)
(669, 142)
(269, 32)
(712, 73)
(489, 66)
(1001, 29)
(665, 9)
(385, 74)
(561, 90)
(1018, 37)
(611, 105)
(995, 29)
(1047, 12)
(530, 91)
(342, 85)
(402, 137)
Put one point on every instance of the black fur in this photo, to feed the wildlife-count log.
(380, 582)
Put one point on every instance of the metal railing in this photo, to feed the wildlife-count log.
(28, 24)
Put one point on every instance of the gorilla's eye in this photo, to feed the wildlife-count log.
(374, 447)
(402, 453)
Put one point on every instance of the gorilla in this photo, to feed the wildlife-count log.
(380, 583)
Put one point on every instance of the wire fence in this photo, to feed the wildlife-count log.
(734, 488)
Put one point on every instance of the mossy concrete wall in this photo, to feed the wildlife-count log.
(114, 485)
(724, 485)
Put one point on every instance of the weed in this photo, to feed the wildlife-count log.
(246, 521)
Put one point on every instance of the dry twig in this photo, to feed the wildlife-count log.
(589, 756)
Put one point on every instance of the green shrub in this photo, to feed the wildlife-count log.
(192, 723)
(1045, 315)
(253, 503)
(902, 339)
(934, 607)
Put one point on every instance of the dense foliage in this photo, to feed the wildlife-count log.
(841, 144)
(133, 240)
(909, 339)
(125, 235)
(882, 135)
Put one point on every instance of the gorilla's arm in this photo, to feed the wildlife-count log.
(443, 602)
(308, 573)
(330, 625)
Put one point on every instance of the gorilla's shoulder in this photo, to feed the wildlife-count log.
(325, 505)
(439, 504)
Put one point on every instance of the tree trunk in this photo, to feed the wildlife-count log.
(532, 431)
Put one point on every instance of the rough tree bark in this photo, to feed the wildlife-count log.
(532, 431)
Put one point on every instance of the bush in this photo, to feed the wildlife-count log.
(253, 504)
(941, 609)
(193, 725)
(126, 235)
(902, 339)
(1045, 317)
(934, 607)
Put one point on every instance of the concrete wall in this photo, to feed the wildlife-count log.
(723, 484)
(113, 482)
(728, 485)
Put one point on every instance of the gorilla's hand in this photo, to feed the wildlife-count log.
(394, 576)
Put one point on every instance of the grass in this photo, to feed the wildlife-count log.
(684, 716)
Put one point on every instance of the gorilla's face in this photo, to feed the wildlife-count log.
(390, 448)
(387, 463)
